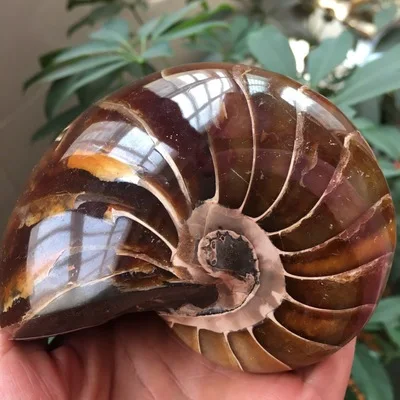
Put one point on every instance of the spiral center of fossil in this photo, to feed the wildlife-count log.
(222, 247)
(227, 251)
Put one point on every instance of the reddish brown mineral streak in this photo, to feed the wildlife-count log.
(112, 216)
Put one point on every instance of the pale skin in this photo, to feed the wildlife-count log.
(138, 358)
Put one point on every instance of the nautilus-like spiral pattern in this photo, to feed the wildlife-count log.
(240, 205)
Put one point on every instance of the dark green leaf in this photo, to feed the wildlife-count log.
(373, 79)
(63, 70)
(86, 50)
(350, 395)
(168, 21)
(395, 271)
(137, 70)
(228, 44)
(370, 375)
(389, 40)
(158, 50)
(328, 55)
(193, 30)
(394, 333)
(56, 95)
(271, 48)
(370, 109)
(397, 98)
(217, 14)
(387, 312)
(97, 89)
(384, 16)
(389, 350)
(56, 125)
(373, 327)
(102, 12)
(46, 59)
(75, 3)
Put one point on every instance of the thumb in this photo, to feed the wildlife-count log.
(27, 371)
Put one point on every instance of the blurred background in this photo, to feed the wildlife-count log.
(60, 56)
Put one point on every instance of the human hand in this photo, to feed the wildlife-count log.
(139, 358)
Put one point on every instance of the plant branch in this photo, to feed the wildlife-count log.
(134, 11)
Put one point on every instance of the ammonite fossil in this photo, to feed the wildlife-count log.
(240, 205)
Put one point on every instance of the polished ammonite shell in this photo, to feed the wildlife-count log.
(240, 205)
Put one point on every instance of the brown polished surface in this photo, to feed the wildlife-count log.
(243, 207)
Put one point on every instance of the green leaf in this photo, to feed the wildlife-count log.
(370, 109)
(104, 11)
(46, 59)
(161, 49)
(76, 82)
(387, 312)
(271, 48)
(348, 111)
(328, 55)
(238, 27)
(137, 70)
(394, 334)
(86, 50)
(217, 14)
(373, 79)
(395, 271)
(239, 38)
(146, 29)
(389, 350)
(115, 30)
(76, 3)
(397, 98)
(56, 125)
(193, 30)
(63, 70)
(210, 42)
(360, 122)
(370, 375)
(385, 138)
(388, 169)
(385, 16)
(389, 40)
(168, 21)
(350, 395)
(97, 73)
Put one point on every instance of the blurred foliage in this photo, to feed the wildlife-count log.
(366, 88)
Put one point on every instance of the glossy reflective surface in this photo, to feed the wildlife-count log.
(242, 206)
